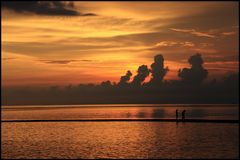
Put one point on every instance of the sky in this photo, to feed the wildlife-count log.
(62, 43)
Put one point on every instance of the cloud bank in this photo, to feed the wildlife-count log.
(50, 8)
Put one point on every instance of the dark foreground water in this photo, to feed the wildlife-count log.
(119, 139)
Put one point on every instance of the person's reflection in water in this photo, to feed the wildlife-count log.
(177, 114)
(177, 117)
(158, 113)
(128, 115)
(183, 114)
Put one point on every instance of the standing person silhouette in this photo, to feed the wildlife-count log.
(183, 114)
(176, 114)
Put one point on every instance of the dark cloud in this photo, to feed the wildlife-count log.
(225, 91)
(223, 58)
(232, 80)
(58, 61)
(86, 60)
(196, 74)
(143, 72)
(157, 69)
(106, 84)
(64, 61)
(124, 79)
(44, 8)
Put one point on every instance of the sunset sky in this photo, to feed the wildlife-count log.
(90, 42)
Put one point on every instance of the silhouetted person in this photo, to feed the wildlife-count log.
(183, 114)
(176, 114)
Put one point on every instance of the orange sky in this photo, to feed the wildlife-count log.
(61, 49)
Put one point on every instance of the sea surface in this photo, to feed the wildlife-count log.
(118, 139)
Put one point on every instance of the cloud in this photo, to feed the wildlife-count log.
(194, 32)
(235, 26)
(124, 79)
(221, 58)
(43, 50)
(228, 33)
(142, 73)
(196, 74)
(6, 59)
(157, 69)
(173, 43)
(44, 8)
(58, 61)
(166, 44)
(188, 44)
(183, 30)
(63, 61)
(202, 34)
(224, 91)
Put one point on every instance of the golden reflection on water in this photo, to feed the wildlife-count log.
(119, 140)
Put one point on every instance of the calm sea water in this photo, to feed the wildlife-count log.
(119, 111)
(119, 139)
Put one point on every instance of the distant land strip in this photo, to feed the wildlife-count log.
(129, 120)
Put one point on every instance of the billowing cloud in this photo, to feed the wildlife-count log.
(142, 73)
(43, 8)
(158, 71)
(196, 74)
(124, 79)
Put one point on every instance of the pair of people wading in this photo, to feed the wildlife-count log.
(183, 114)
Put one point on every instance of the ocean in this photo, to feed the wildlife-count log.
(119, 139)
